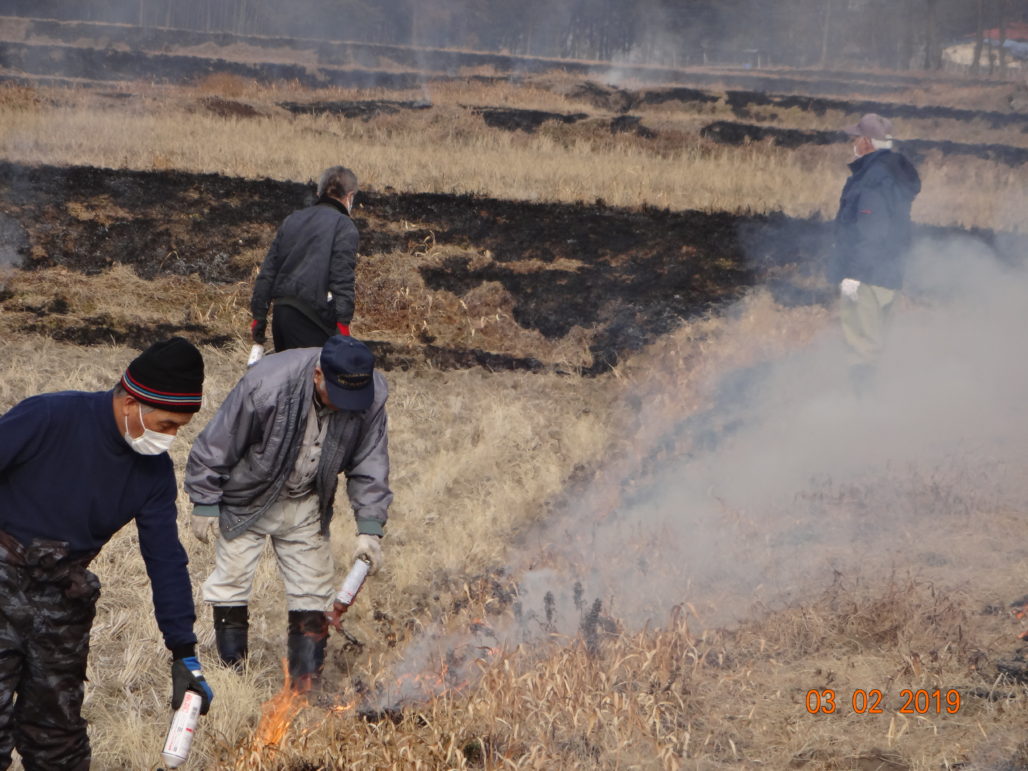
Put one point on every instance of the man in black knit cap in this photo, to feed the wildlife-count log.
(308, 273)
(76, 467)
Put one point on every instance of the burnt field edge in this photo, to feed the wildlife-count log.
(627, 275)
(51, 65)
(378, 69)
(157, 38)
(444, 61)
(731, 133)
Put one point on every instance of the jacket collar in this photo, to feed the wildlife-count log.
(864, 161)
(333, 202)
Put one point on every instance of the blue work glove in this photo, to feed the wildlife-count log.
(186, 675)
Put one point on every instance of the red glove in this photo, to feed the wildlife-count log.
(258, 330)
(344, 329)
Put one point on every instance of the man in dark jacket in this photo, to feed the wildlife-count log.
(75, 468)
(308, 273)
(872, 238)
(267, 465)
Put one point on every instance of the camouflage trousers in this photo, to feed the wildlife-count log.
(47, 603)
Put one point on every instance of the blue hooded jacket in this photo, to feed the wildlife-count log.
(872, 228)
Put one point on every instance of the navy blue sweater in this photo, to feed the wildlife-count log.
(67, 474)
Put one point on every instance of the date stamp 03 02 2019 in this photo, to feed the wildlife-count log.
(827, 701)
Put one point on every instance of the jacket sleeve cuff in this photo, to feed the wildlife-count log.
(206, 510)
(183, 651)
(370, 527)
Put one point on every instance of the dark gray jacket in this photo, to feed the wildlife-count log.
(243, 457)
(314, 253)
(872, 228)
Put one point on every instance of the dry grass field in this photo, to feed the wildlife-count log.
(648, 569)
(449, 149)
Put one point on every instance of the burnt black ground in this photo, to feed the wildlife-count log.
(161, 38)
(513, 119)
(371, 65)
(641, 270)
(729, 133)
(613, 98)
(364, 110)
(631, 275)
(50, 60)
(741, 101)
(108, 64)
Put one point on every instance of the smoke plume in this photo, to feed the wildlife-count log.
(790, 476)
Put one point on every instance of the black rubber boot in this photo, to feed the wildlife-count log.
(308, 637)
(231, 633)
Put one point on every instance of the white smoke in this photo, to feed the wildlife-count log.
(792, 476)
(752, 508)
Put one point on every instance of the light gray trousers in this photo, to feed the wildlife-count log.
(302, 552)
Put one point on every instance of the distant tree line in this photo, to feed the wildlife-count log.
(886, 33)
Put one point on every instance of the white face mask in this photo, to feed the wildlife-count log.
(151, 442)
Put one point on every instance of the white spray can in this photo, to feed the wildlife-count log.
(256, 354)
(353, 582)
(183, 728)
(348, 591)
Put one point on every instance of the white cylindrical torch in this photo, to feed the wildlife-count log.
(353, 582)
(348, 591)
(256, 354)
(183, 728)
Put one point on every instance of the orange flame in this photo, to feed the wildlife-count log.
(278, 712)
(276, 717)
(341, 708)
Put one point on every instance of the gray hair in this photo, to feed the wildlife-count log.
(119, 392)
(881, 144)
(337, 182)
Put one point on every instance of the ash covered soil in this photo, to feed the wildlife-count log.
(626, 276)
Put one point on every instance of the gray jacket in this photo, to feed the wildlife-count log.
(243, 457)
(314, 253)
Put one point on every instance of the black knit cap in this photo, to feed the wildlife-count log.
(167, 375)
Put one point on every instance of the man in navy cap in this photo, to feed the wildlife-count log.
(75, 468)
(267, 466)
(872, 238)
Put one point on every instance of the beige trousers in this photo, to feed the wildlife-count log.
(303, 555)
(863, 321)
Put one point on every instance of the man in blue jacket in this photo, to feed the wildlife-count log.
(872, 238)
(76, 467)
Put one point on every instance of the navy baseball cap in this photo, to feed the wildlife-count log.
(349, 369)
